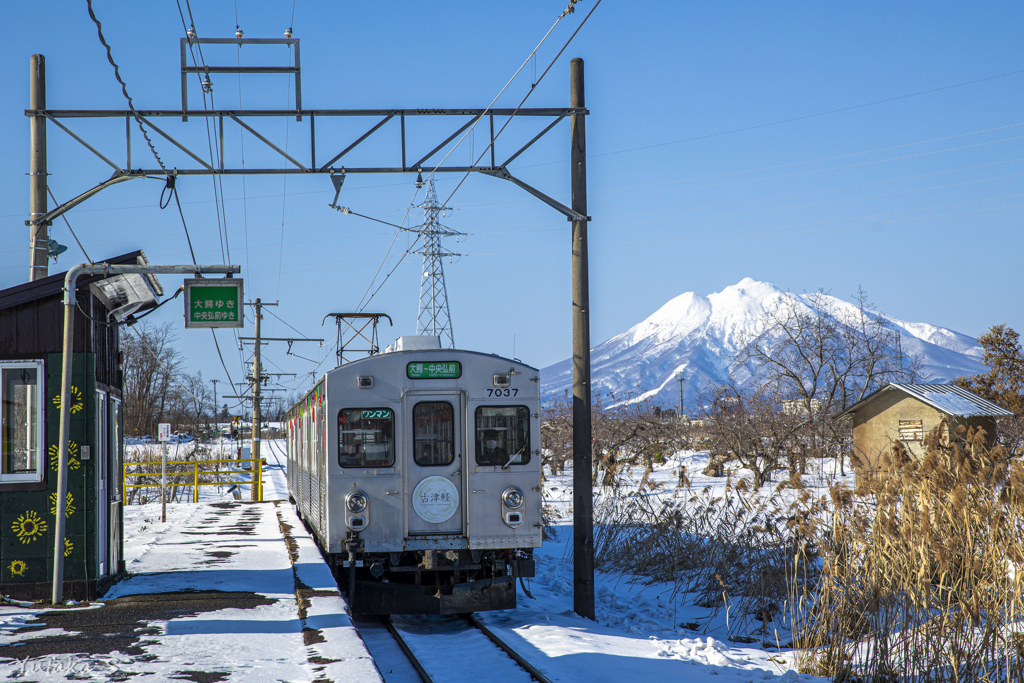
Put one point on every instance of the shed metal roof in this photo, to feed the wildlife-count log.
(950, 399)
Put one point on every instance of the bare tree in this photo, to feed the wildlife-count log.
(821, 357)
(156, 386)
(628, 432)
(749, 426)
(150, 364)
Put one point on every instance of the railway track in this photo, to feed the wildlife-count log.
(467, 643)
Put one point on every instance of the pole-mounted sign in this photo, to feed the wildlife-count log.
(214, 302)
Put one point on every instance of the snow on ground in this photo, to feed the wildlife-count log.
(233, 589)
(637, 636)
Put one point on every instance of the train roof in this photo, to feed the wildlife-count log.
(383, 354)
(442, 351)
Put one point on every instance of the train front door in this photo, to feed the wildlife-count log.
(434, 458)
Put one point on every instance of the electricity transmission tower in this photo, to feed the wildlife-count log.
(434, 317)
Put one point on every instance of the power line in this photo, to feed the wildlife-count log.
(757, 233)
(287, 323)
(808, 116)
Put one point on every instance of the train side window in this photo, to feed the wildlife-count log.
(366, 437)
(433, 440)
(502, 435)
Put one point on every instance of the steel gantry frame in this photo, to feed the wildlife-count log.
(308, 164)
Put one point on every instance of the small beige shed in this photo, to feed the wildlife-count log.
(907, 413)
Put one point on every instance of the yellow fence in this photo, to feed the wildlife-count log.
(195, 464)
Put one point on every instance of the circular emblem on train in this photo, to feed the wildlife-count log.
(435, 499)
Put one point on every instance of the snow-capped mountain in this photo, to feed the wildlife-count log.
(701, 336)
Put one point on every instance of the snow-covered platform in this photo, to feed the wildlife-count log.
(221, 591)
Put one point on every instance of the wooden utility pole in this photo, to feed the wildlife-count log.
(582, 443)
(38, 234)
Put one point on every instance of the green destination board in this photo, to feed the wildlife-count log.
(214, 303)
(448, 369)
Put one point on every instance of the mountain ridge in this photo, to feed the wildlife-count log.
(701, 336)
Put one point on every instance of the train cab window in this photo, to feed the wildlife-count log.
(502, 435)
(434, 433)
(366, 437)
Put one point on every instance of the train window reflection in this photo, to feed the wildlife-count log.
(502, 435)
(366, 437)
(434, 433)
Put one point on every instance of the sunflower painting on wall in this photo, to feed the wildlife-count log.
(73, 462)
(17, 568)
(69, 508)
(29, 526)
(76, 400)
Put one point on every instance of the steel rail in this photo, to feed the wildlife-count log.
(396, 634)
(529, 668)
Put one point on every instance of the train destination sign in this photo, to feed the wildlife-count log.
(214, 302)
(449, 369)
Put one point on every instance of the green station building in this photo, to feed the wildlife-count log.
(31, 343)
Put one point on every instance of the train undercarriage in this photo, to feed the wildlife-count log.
(431, 581)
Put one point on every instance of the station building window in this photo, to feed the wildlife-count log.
(433, 440)
(21, 415)
(502, 435)
(366, 437)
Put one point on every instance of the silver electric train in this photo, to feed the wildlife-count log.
(418, 472)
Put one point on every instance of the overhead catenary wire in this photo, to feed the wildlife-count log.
(124, 87)
(220, 205)
(568, 10)
(533, 87)
(390, 247)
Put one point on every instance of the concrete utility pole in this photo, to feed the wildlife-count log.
(582, 443)
(216, 420)
(680, 376)
(257, 382)
(38, 233)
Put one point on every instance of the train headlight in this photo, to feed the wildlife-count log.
(356, 501)
(513, 497)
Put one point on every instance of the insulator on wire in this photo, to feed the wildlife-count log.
(238, 32)
(191, 32)
(288, 32)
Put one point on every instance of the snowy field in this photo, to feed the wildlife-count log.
(639, 633)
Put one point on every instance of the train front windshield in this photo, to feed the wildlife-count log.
(366, 437)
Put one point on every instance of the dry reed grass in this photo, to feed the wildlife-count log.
(729, 550)
(920, 571)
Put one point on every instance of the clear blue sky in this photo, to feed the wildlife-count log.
(917, 199)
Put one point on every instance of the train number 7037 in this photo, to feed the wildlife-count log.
(492, 393)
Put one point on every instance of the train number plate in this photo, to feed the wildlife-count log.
(501, 393)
